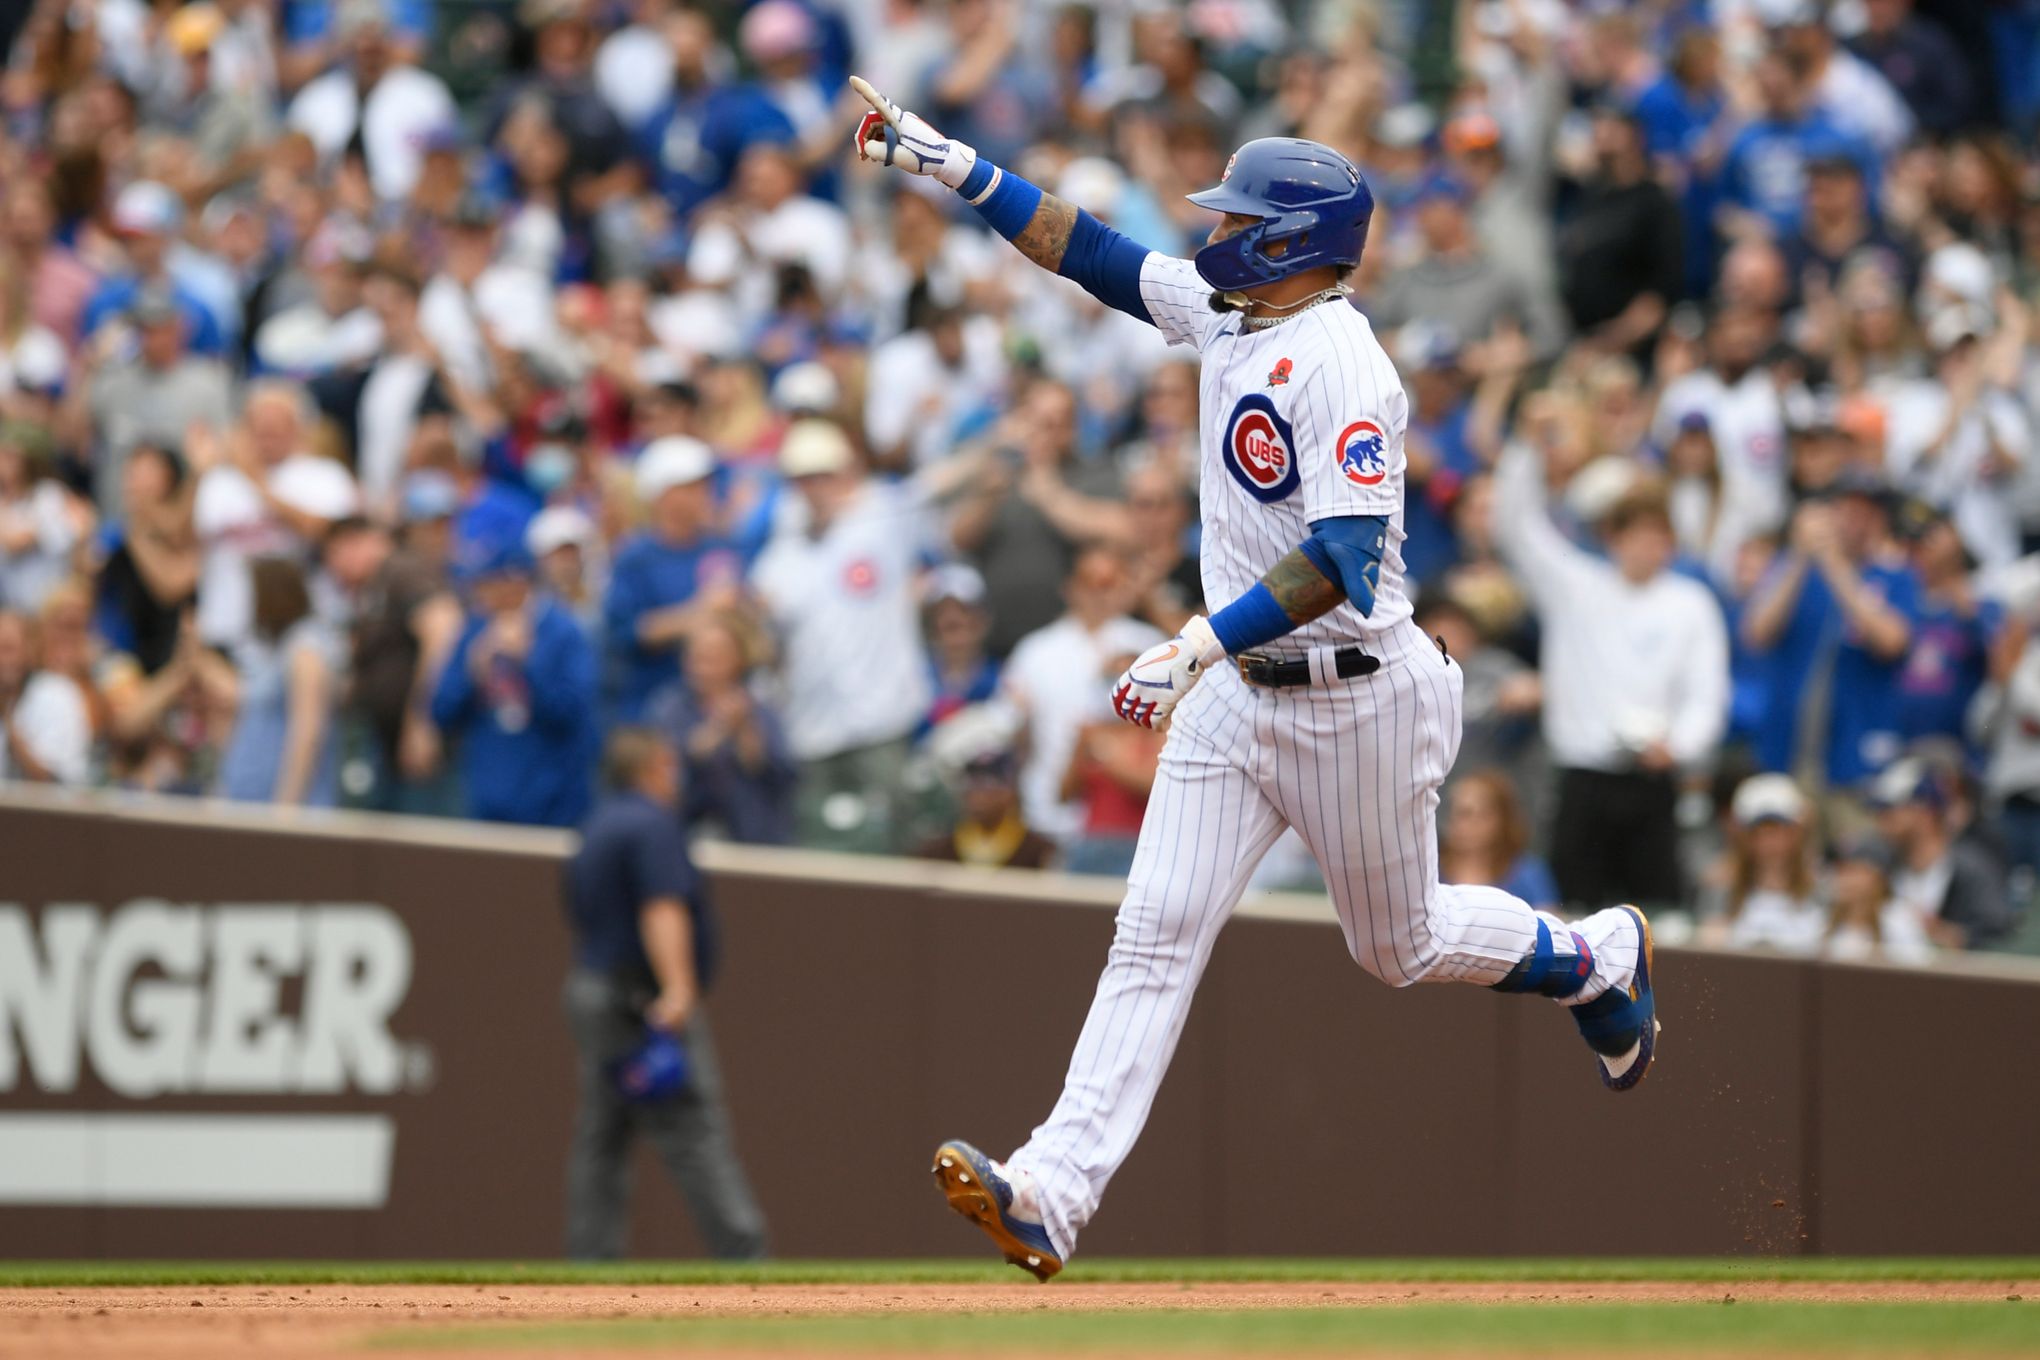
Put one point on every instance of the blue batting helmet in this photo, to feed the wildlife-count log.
(1313, 204)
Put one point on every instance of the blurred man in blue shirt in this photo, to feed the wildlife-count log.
(1953, 637)
(694, 142)
(670, 575)
(1841, 598)
(1766, 167)
(518, 694)
(645, 952)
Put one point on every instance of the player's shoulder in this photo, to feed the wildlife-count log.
(1173, 271)
(1339, 354)
(1341, 335)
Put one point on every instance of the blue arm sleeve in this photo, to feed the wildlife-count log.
(1098, 259)
(1106, 265)
(1348, 550)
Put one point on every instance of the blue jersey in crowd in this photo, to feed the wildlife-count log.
(527, 731)
(693, 144)
(1863, 709)
(1765, 170)
(1530, 878)
(1431, 545)
(1678, 124)
(1945, 667)
(497, 513)
(116, 297)
(651, 574)
(632, 853)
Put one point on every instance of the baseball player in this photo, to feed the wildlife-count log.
(1333, 713)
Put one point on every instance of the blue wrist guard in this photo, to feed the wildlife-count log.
(1348, 550)
(1254, 619)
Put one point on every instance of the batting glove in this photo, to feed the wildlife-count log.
(1156, 682)
(892, 136)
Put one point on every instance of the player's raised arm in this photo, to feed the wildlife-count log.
(1058, 236)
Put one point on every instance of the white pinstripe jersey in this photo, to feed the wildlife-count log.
(1302, 421)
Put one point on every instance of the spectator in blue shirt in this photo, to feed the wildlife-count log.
(1842, 599)
(961, 670)
(484, 512)
(1953, 637)
(146, 218)
(668, 576)
(693, 144)
(1683, 116)
(1440, 456)
(740, 772)
(1766, 169)
(518, 693)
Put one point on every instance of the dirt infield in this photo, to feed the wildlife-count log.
(331, 1321)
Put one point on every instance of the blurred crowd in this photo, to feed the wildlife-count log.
(396, 395)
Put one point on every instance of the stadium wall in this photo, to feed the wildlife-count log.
(225, 1033)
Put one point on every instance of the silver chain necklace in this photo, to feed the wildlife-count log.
(1262, 323)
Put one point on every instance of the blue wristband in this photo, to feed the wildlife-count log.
(1009, 204)
(973, 186)
(1253, 619)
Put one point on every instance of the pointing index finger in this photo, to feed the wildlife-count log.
(886, 109)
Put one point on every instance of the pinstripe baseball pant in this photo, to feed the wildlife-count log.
(1354, 767)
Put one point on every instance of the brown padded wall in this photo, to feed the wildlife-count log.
(1310, 1109)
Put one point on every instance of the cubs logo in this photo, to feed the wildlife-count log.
(860, 577)
(1279, 375)
(1363, 453)
(1259, 450)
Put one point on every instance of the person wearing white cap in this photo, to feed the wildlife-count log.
(666, 575)
(146, 218)
(1960, 438)
(838, 580)
(562, 541)
(260, 493)
(1767, 896)
(961, 671)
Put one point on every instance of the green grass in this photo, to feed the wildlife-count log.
(1107, 1270)
(1492, 1330)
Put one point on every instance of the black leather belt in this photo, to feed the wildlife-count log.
(1258, 668)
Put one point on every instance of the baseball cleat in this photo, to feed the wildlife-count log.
(1622, 1026)
(974, 1188)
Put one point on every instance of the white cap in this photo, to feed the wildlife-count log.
(954, 581)
(557, 526)
(1768, 797)
(673, 461)
(815, 447)
(315, 486)
(39, 360)
(1092, 183)
(808, 386)
(1596, 488)
(1960, 270)
(146, 208)
(1949, 325)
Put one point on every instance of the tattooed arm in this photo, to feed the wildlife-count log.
(1301, 590)
(1046, 237)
